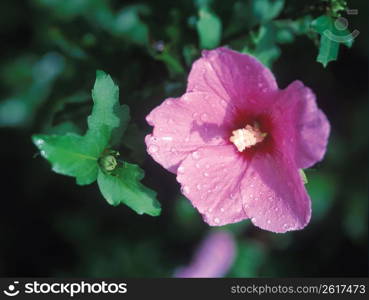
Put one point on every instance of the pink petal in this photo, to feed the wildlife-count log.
(213, 258)
(237, 78)
(183, 125)
(210, 179)
(274, 195)
(310, 125)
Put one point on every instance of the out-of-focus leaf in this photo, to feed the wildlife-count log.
(134, 140)
(321, 189)
(249, 259)
(63, 128)
(332, 32)
(355, 221)
(65, 45)
(266, 49)
(20, 109)
(129, 24)
(209, 28)
(123, 186)
(266, 10)
(172, 63)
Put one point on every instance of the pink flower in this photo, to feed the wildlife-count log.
(213, 258)
(237, 142)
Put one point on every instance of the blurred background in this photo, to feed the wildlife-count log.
(49, 53)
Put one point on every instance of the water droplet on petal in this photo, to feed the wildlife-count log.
(204, 117)
(206, 174)
(199, 186)
(210, 210)
(222, 209)
(268, 221)
(181, 169)
(153, 149)
(223, 103)
(198, 165)
(196, 155)
(194, 115)
(216, 220)
(253, 219)
(185, 190)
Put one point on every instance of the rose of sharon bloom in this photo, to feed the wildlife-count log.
(237, 142)
(213, 258)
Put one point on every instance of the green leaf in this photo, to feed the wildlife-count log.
(266, 10)
(332, 34)
(106, 110)
(129, 25)
(76, 155)
(123, 186)
(250, 257)
(209, 28)
(71, 155)
(265, 49)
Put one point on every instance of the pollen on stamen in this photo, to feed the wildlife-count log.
(247, 137)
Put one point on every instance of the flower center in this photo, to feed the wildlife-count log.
(247, 137)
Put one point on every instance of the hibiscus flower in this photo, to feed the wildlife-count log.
(237, 142)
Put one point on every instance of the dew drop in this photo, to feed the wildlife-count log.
(181, 169)
(268, 221)
(206, 174)
(204, 117)
(196, 155)
(153, 149)
(210, 210)
(222, 209)
(216, 220)
(43, 153)
(198, 165)
(223, 103)
(39, 142)
(185, 190)
(253, 219)
(199, 186)
(194, 115)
